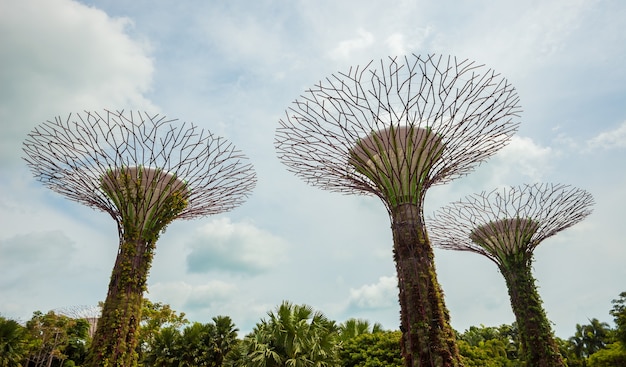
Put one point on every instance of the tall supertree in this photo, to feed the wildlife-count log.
(393, 129)
(145, 171)
(506, 226)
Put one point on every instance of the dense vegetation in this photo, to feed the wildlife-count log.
(291, 335)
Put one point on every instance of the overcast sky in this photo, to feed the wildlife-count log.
(233, 67)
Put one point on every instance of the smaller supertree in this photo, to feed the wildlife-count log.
(91, 314)
(506, 226)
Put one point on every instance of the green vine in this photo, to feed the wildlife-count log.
(428, 339)
(538, 346)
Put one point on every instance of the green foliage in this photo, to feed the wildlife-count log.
(589, 338)
(619, 314)
(224, 339)
(613, 356)
(147, 200)
(154, 318)
(78, 338)
(354, 327)
(198, 345)
(506, 334)
(195, 345)
(13, 343)
(56, 339)
(375, 349)
(162, 349)
(490, 346)
(293, 335)
(491, 353)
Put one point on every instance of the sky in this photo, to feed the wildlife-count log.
(233, 68)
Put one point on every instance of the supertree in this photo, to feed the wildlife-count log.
(506, 226)
(145, 171)
(393, 129)
(91, 314)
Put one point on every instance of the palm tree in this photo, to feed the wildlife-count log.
(589, 339)
(597, 335)
(295, 336)
(195, 345)
(352, 328)
(224, 338)
(12, 343)
(163, 349)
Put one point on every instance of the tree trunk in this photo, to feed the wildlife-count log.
(537, 342)
(427, 337)
(115, 340)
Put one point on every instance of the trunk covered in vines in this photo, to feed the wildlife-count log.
(428, 339)
(115, 341)
(538, 345)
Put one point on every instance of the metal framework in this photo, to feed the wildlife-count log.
(508, 221)
(470, 109)
(91, 314)
(392, 129)
(71, 156)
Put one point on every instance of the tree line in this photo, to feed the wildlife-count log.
(290, 335)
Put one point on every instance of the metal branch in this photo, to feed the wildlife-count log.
(91, 314)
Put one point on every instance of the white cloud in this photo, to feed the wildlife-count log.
(180, 294)
(400, 43)
(382, 294)
(529, 36)
(21, 256)
(397, 44)
(613, 139)
(79, 59)
(235, 247)
(525, 157)
(44, 264)
(346, 48)
(522, 160)
(204, 299)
